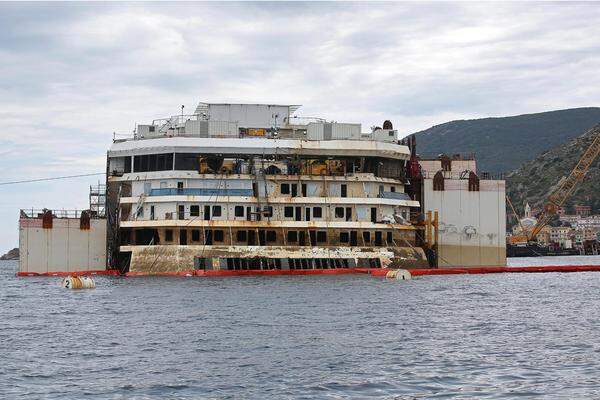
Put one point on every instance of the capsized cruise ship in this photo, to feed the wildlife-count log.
(237, 189)
(255, 187)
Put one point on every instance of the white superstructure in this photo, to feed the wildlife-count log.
(249, 186)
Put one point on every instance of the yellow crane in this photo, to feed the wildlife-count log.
(564, 190)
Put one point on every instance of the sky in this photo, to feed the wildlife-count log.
(72, 74)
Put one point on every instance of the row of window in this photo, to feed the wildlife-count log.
(292, 189)
(286, 188)
(235, 264)
(263, 263)
(297, 213)
(199, 162)
(293, 237)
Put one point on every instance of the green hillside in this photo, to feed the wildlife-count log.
(535, 179)
(504, 144)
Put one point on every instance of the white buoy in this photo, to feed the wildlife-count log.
(78, 282)
(403, 275)
(399, 274)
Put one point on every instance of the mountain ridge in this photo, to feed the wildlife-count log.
(503, 144)
(535, 180)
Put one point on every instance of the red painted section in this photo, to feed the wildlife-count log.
(497, 270)
(274, 272)
(339, 271)
(181, 273)
(112, 272)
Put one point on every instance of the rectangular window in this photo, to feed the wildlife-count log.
(393, 189)
(152, 212)
(378, 238)
(353, 238)
(389, 237)
(169, 235)
(294, 188)
(218, 236)
(304, 190)
(150, 162)
(321, 236)
(285, 188)
(292, 236)
(348, 213)
(239, 211)
(317, 212)
(269, 212)
(195, 235)
(241, 236)
(344, 237)
(195, 211)
(339, 212)
(216, 211)
(367, 237)
(288, 212)
(271, 236)
(187, 162)
(344, 190)
(257, 213)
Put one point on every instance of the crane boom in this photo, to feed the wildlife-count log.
(566, 188)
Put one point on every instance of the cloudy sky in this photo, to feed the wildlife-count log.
(72, 74)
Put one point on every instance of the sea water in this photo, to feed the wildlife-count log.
(354, 336)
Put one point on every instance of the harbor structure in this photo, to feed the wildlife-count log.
(471, 211)
(61, 241)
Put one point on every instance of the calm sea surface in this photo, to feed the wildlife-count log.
(462, 336)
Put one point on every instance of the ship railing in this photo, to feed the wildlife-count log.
(178, 119)
(39, 213)
(464, 175)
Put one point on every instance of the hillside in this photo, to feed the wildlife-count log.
(11, 255)
(504, 144)
(535, 179)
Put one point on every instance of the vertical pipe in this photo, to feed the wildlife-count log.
(436, 226)
(428, 228)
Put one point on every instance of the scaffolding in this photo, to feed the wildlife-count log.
(98, 200)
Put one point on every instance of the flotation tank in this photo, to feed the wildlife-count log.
(399, 274)
(78, 282)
